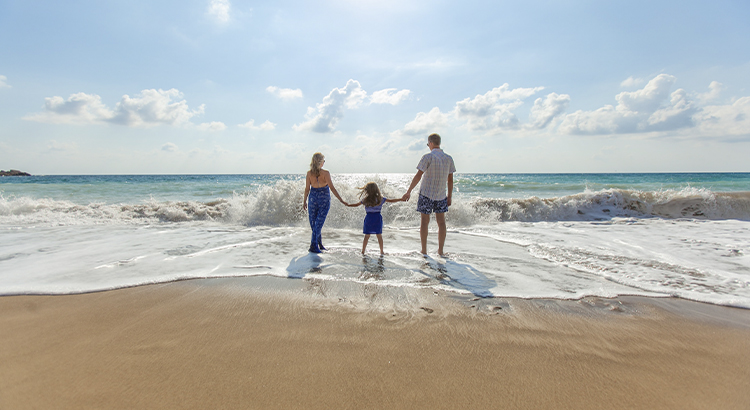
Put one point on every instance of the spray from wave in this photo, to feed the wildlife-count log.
(605, 204)
(280, 204)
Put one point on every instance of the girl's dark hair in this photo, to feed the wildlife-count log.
(371, 193)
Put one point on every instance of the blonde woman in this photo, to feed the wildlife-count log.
(317, 186)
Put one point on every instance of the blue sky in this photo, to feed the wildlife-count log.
(231, 86)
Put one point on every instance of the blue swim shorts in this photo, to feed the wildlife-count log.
(427, 206)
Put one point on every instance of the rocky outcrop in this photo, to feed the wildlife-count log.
(14, 173)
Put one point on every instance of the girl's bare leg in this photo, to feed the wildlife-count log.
(380, 242)
(364, 243)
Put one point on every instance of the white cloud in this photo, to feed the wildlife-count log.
(169, 147)
(649, 97)
(79, 108)
(266, 126)
(389, 96)
(149, 108)
(498, 117)
(417, 145)
(545, 110)
(329, 112)
(285, 93)
(486, 112)
(631, 82)
(714, 90)
(212, 126)
(4, 82)
(219, 10)
(677, 114)
(725, 120)
(153, 107)
(651, 108)
(426, 122)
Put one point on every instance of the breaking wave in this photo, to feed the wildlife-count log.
(281, 205)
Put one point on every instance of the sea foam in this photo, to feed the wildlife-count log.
(281, 205)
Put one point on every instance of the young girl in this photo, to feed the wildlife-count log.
(373, 202)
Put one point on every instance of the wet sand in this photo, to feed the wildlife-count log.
(237, 344)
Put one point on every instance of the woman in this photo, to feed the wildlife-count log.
(317, 184)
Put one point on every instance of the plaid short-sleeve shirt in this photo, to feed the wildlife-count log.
(436, 166)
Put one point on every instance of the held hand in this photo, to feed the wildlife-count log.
(406, 196)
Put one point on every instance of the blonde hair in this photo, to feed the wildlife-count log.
(372, 194)
(315, 166)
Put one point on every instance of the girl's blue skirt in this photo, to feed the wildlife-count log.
(373, 224)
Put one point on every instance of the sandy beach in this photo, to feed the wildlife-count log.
(241, 344)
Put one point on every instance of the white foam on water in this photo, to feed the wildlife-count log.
(691, 243)
(700, 260)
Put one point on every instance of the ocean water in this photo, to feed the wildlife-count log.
(563, 236)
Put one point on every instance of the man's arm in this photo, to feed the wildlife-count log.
(450, 188)
(414, 183)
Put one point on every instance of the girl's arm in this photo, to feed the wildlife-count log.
(353, 205)
(333, 189)
(307, 191)
(395, 200)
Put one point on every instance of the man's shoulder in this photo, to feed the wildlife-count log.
(444, 155)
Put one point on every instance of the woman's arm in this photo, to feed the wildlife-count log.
(333, 189)
(307, 190)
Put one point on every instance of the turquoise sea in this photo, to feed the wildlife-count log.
(125, 188)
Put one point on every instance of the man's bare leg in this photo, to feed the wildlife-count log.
(440, 218)
(424, 224)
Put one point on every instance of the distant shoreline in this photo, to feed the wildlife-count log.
(14, 173)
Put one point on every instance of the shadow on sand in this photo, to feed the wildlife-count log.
(301, 266)
(458, 275)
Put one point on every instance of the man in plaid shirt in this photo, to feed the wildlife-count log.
(437, 168)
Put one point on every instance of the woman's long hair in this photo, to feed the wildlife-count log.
(372, 194)
(315, 164)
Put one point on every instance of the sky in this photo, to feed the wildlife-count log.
(240, 87)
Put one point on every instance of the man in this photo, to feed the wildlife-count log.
(437, 168)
